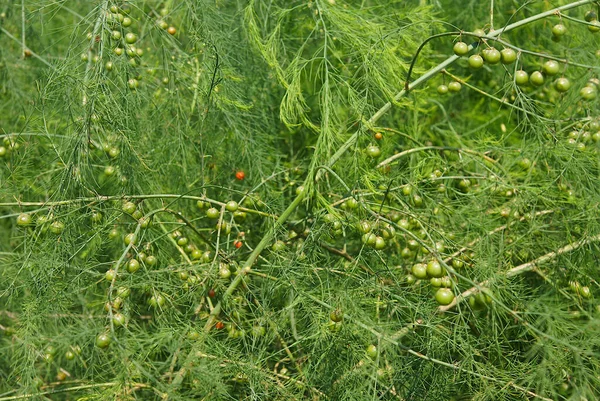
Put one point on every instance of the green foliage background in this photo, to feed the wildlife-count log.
(499, 183)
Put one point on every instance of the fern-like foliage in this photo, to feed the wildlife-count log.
(270, 200)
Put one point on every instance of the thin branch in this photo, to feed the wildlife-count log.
(346, 256)
(63, 390)
(492, 14)
(423, 356)
(34, 54)
(121, 197)
(525, 267)
(23, 45)
(414, 150)
(494, 231)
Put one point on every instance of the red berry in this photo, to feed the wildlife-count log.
(240, 175)
(378, 136)
(237, 244)
(219, 325)
(211, 293)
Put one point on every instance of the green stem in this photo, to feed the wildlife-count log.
(546, 56)
(23, 45)
(64, 390)
(484, 93)
(525, 267)
(246, 269)
(394, 341)
(432, 72)
(120, 197)
(34, 54)
(267, 238)
(415, 150)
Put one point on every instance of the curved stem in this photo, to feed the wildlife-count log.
(582, 22)
(414, 60)
(429, 74)
(410, 138)
(415, 150)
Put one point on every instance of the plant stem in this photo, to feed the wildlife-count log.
(484, 93)
(432, 72)
(403, 332)
(267, 238)
(64, 390)
(494, 231)
(121, 197)
(415, 150)
(246, 268)
(23, 45)
(492, 14)
(525, 267)
(32, 52)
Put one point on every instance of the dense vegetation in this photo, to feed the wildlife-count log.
(275, 200)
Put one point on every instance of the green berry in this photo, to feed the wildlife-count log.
(536, 78)
(591, 16)
(372, 351)
(130, 38)
(373, 151)
(521, 77)
(212, 213)
(476, 61)
(551, 67)
(444, 296)
(559, 30)
(24, 219)
(562, 84)
(232, 206)
(508, 55)
(491, 55)
(588, 93)
(454, 86)
(461, 48)
(103, 340)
